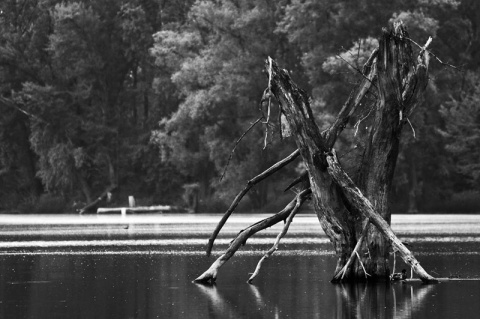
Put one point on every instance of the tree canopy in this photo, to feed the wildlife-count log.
(152, 95)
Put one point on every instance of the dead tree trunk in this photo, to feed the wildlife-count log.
(401, 82)
(343, 203)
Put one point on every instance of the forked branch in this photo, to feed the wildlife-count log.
(210, 275)
(300, 199)
(270, 171)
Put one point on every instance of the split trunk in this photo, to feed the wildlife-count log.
(353, 208)
(398, 82)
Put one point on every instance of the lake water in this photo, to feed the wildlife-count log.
(143, 267)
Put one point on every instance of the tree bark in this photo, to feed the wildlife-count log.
(257, 179)
(400, 83)
(327, 202)
(360, 204)
(342, 206)
(210, 275)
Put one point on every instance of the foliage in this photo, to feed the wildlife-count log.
(216, 60)
(89, 101)
(462, 130)
(152, 95)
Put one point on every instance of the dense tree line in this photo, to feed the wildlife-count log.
(149, 96)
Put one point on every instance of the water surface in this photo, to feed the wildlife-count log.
(142, 267)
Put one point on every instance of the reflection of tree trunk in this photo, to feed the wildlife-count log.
(373, 301)
(412, 183)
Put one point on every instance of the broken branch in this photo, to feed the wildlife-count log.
(300, 199)
(339, 276)
(424, 48)
(273, 169)
(355, 198)
(353, 101)
(210, 275)
(236, 144)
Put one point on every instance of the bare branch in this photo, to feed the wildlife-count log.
(361, 264)
(369, 61)
(339, 275)
(411, 126)
(357, 125)
(424, 48)
(356, 199)
(353, 101)
(210, 275)
(273, 169)
(300, 199)
(236, 144)
(269, 94)
(303, 177)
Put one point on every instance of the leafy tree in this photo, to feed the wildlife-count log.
(83, 77)
(24, 29)
(334, 37)
(84, 83)
(214, 61)
(462, 131)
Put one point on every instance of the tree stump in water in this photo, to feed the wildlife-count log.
(342, 203)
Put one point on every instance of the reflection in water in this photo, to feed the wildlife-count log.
(381, 300)
(145, 271)
(118, 286)
(219, 306)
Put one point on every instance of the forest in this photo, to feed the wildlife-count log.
(150, 98)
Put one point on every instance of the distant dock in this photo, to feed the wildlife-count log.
(140, 209)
